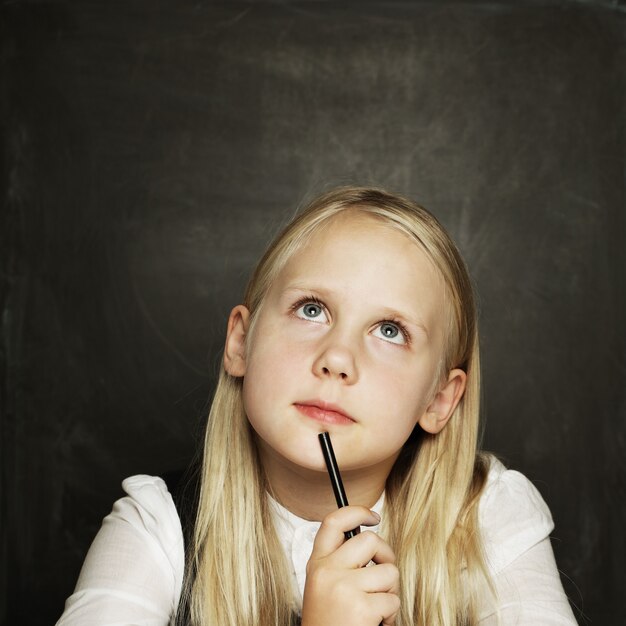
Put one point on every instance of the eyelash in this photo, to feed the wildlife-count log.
(306, 300)
(312, 299)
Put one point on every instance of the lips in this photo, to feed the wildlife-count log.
(324, 412)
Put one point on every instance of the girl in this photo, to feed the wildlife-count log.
(360, 321)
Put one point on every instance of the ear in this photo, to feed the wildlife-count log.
(235, 348)
(441, 408)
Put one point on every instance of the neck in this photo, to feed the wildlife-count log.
(308, 493)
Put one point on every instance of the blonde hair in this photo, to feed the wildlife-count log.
(237, 573)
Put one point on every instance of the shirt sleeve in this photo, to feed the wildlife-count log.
(134, 568)
(516, 525)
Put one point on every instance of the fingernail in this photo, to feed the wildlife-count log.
(375, 515)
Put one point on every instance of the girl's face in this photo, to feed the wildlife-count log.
(348, 340)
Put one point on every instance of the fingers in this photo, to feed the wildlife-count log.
(352, 597)
(386, 605)
(360, 550)
(378, 580)
(339, 588)
(331, 533)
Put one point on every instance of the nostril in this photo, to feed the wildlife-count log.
(332, 372)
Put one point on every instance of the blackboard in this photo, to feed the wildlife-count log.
(149, 152)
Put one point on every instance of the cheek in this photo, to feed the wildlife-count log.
(271, 367)
(272, 357)
(402, 397)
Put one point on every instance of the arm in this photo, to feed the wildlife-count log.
(133, 571)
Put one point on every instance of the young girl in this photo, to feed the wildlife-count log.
(360, 321)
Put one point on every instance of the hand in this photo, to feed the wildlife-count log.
(339, 589)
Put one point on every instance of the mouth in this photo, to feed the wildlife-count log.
(324, 412)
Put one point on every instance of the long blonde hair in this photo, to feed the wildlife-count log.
(237, 574)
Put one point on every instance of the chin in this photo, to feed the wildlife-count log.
(307, 455)
(302, 450)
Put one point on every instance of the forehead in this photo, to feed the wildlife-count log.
(361, 256)
(357, 239)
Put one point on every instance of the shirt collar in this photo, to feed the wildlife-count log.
(286, 520)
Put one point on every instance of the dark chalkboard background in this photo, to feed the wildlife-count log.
(150, 149)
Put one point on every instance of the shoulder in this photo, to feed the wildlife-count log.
(147, 494)
(148, 506)
(134, 568)
(513, 517)
(149, 513)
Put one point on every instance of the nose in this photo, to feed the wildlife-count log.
(336, 361)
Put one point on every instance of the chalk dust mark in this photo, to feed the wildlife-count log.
(164, 339)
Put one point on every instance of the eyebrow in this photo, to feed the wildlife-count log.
(385, 312)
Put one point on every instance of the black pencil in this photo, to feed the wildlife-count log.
(335, 477)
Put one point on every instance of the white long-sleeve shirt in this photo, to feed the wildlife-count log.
(133, 571)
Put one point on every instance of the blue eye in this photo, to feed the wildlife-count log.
(390, 332)
(311, 311)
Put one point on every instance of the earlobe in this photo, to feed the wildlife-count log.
(446, 400)
(235, 347)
